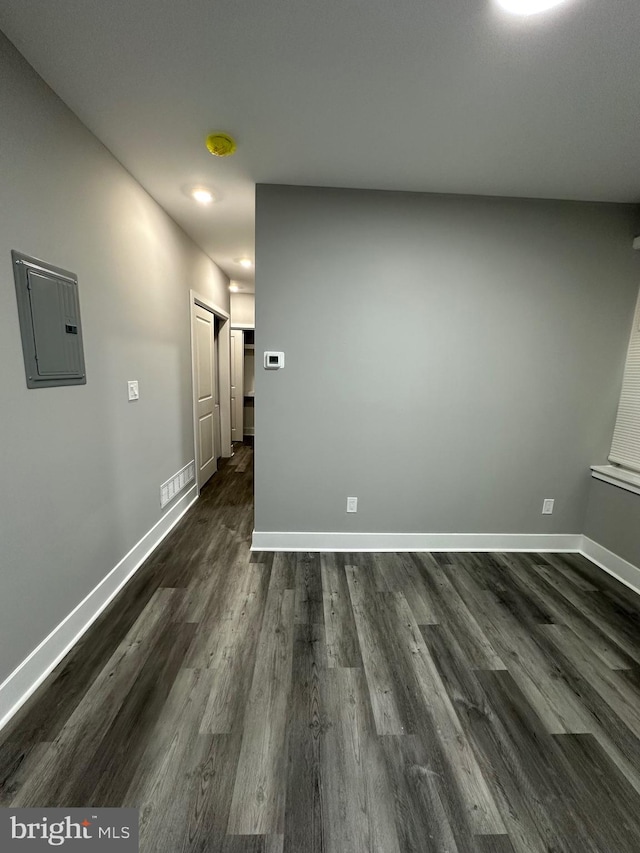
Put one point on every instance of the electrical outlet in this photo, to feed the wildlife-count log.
(132, 386)
(352, 504)
(547, 506)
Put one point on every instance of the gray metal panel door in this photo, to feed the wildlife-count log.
(55, 325)
(49, 313)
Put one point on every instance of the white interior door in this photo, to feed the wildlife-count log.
(237, 390)
(205, 388)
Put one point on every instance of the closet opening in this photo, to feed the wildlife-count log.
(243, 387)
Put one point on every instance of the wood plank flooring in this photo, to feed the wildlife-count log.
(345, 703)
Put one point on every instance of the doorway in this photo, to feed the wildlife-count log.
(242, 382)
(210, 361)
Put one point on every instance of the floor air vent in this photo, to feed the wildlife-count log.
(174, 485)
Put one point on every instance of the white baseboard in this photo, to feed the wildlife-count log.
(274, 541)
(29, 675)
(621, 569)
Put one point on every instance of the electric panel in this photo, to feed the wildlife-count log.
(49, 312)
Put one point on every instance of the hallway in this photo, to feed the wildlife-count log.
(344, 702)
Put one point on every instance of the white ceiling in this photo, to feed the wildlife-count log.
(429, 95)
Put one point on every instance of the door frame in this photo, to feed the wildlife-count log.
(224, 373)
(240, 382)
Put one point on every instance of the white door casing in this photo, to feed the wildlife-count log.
(205, 382)
(221, 355)
(216, 386)
(237, 390)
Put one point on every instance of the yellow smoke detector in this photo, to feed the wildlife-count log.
(221, 144)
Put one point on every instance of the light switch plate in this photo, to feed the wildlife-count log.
(547, 506)
(132, 386)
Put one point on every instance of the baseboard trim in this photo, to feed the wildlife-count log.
(274, 541)
(29, 675)
(618, 567)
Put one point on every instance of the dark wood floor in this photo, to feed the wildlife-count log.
(345, 702)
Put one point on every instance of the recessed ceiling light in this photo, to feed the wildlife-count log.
(528, 7)
(247, 263)
(233, 287)
(202, 195)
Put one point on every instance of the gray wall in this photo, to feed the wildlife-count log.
(613, 520)
(450, 360)
(81, 467)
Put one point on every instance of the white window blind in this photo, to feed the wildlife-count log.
(625, 448)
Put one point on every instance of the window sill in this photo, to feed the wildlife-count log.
(620, 477)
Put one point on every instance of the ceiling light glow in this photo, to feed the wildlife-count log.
(245, 262)
(233, 287)
(202, 195)
(528, 7)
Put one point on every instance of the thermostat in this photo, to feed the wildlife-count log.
(273, 360)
